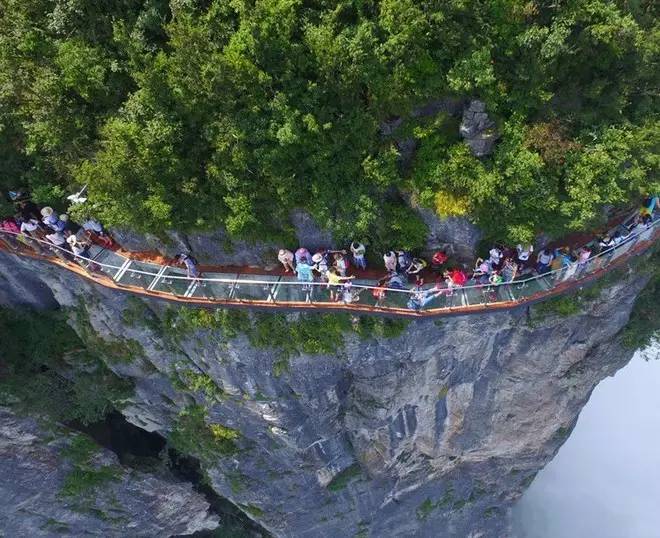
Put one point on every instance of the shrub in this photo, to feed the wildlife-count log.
(85, 478)
(192, 434)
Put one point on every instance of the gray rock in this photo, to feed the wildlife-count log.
(309, 233)
(478, 129)
(456, 235)
(476, 106)
(435, 432)
(34, 468)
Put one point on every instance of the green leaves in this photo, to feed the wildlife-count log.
(196, 115)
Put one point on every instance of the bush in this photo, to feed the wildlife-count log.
(192, 434)
(85, 478)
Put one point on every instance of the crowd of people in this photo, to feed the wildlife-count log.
(403, 271)
(46, 232)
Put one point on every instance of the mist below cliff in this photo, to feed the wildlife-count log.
(605, 480)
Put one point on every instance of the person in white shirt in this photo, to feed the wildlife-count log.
(60, 246)
(495, 256)
(78, 247)
(285, 257)
(389, 258)
(32, 233)
(358, 250)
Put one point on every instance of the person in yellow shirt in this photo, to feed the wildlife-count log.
(334, 283)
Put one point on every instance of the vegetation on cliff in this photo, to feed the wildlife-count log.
(45, 369)
(197, 113)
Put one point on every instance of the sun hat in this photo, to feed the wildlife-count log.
(72, 240)
(318, 257)
(64, 217)
(47, 211)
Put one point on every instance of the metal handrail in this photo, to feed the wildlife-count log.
(651, 230)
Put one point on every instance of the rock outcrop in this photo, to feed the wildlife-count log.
(216, 248)
(45, 492)
(432, 432)
(478, 129)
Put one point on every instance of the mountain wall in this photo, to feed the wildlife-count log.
(56, 482)
(433, 428)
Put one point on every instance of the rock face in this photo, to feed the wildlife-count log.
(434, 432)
(216, 248)
(455, 235)
(34, 470)
(478, 129)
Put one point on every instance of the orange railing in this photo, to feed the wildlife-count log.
(110, 269)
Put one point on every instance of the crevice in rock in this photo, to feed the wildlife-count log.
(147, 451)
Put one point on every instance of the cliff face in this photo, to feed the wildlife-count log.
(55, 482)
(433, 432)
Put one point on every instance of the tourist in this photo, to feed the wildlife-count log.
(334, 283)
(396, 281)
(286, 258)
(11, 227)
(415, 268)
(583, 255)
(379, 292)
(68, 226)
(509, 270)
(303, 271)
(348, 294)
(455, 278)
(403, 259)
(340, 263)
(482, 268)
(95, 231)
(302, 254)
(618, 238)
(495, 256)
(420, 298)
(31, 230)
(543, 261)
(358, 251)
(650, 204)
(79, 248)
(495, 278)
(321, 265)
(191, 265)
(524, 253)
(606, 243)
(438, 260)
(59, 245)
(389, 258)
(52, 220)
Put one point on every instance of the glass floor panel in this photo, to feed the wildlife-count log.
(526, 288)
(284, 293)
(365, 297)
(110, 258)
(474, 295)
(173, 285)
(258, 292)
(215, 290)
(133, 278)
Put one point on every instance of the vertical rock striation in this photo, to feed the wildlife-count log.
(434, 432)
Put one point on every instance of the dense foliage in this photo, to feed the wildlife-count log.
(198, 113)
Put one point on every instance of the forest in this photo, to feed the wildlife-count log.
(199, 114)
